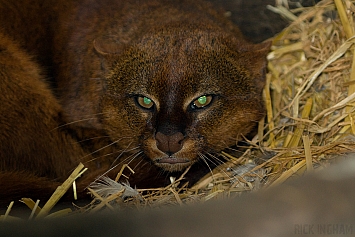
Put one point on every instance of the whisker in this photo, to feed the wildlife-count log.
(203, 158)
(142, 160)
(80, 120)
(93, 138)
(220, 162)
(117, 165)
(108, 154)
(70, 123)
(130, 158)
(124, 151)
(211, 160)
(134, 157)
(105, 173)
(100, 149)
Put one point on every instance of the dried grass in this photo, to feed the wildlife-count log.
(310, 102)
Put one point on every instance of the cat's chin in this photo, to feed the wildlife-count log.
(173, 164)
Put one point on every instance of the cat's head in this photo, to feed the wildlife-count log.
(180, 97)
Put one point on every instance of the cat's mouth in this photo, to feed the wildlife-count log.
(172, 160)
(173, 164)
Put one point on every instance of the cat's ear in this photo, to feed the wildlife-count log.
(262, 49)
(256, 55)
(107, 45)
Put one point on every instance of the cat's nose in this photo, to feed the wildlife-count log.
(169, 144)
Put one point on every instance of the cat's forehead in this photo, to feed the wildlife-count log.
(205, 72)
(173, 72)
(187, 65)
(179, 41)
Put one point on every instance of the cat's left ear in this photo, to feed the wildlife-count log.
(107, 45)
(256, 55)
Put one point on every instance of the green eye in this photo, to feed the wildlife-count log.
(201, 102)
(145, 102)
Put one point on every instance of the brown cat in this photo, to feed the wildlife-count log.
(156, 84)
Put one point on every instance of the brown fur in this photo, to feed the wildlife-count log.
(103, 55)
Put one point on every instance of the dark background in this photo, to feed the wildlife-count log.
(253, 18)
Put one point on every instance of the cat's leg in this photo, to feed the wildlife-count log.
(32, 141)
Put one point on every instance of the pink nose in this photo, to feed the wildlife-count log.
(169, 144)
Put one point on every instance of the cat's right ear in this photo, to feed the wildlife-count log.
(107, 45)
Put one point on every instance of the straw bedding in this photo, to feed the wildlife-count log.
(310, 102)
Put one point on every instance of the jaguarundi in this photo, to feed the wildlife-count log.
(159, 85)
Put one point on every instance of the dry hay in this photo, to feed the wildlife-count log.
(309, 98)
(310, 110)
